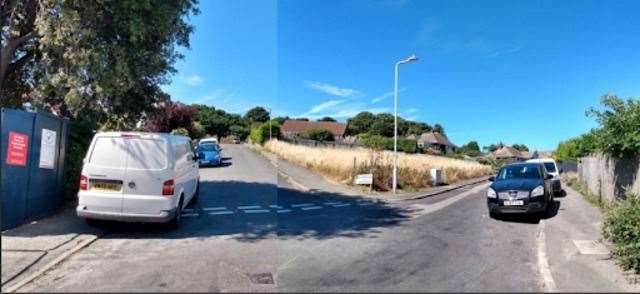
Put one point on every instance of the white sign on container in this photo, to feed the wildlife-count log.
(48, 149)
(364, 179)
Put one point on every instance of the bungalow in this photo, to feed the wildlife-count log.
(294, 128)
(437, 142)
(510, 154)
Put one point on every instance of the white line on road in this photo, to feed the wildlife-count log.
(221, 212)
(214, 208)
(332, 203)
(256, 211)
(365, 203)
(284, 210)
(312, 207)
(301, 204)
(275, 206)
(249, 207)
(342, 205)
(543, 263)
(423, 209)
(189, 214)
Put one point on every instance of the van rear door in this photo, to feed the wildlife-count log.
(148, 167)
(105, 170)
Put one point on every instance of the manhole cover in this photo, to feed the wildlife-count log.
(590, 247)
(261, 278)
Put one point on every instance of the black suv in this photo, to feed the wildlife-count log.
(520, 188)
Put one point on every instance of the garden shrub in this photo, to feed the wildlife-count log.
(622, 227)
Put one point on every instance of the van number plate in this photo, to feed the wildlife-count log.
(106, 186)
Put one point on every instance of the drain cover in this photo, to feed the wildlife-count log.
(590, 247)
(261, 278)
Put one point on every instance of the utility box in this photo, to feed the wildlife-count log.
(436, 176)
(31, 165)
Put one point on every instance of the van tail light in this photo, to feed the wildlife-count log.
(84, 182)
(168, 187)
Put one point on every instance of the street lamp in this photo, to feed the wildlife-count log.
(411, 58)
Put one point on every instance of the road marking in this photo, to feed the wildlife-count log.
(332, 203)
(342, 205)
(543, 263)
(249, 207)
(365, 203)
(221, 212)
(301, 204)
(312, 207)
(256, 210)
(284, 210)
(276, 206)
(214, 208)
(189, 214)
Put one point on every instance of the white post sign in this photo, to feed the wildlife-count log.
(48, 149)
(364, 179)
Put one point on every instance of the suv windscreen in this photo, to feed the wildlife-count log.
(519, 172)
(551, 168)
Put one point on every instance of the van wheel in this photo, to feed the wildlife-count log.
(92, 222)
(175, 222)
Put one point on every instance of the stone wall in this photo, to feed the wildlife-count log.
(610, 178)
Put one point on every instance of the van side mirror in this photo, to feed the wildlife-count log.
(548, 177)
(492, 178)
(561, 170)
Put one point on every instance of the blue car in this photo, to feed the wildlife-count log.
(209, 154)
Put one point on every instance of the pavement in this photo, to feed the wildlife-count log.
(254, 229)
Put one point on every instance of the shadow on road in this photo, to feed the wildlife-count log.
(362, 218)
(530, 218)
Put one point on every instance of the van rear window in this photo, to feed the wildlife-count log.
(147, 154)
(109, 152)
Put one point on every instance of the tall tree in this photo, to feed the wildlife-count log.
(439, 129)
(169, 116)
(18, 49)
(360, 123)
(257, 114)
(105, 60)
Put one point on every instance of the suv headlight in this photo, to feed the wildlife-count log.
(491, 193)
(538, 191)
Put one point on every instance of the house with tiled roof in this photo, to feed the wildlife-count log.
(294, 128)
(437, 142)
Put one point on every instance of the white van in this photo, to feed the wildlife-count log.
(137, 177)
(552, 168)
(209, 140)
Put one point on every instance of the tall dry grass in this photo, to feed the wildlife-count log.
(342, 164)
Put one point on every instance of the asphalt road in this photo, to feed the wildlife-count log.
(252, 231)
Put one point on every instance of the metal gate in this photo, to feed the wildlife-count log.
(32, 165)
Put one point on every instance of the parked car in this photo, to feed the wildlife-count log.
(236, 141)
(520, 188)
(552, 168)
(209, 154)
(138, 177)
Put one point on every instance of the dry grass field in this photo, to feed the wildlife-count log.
(342, 164)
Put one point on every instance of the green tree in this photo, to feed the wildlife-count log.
(439, 129)
(472, 149)
(260, 134)
(417, 128)
(281, 119)
(360, 123)
(327, 118)
(619, 133)
(105, 60)
(257, 114)
(238, 131)
(217, 121)
(318, 135)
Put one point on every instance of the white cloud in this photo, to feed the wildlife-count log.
(411, 110)
(194, 80)
(385, 96)
(505, 51)
(324, 106)
(333, 90)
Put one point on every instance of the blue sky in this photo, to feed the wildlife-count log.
(511, 71)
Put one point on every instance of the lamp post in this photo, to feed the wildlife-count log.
(411, 58)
